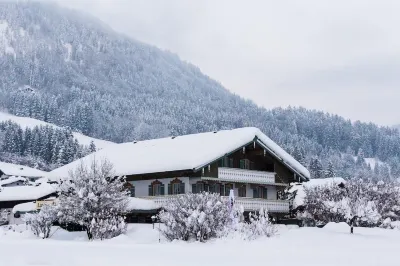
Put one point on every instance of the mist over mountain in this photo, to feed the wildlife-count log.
(66, 68)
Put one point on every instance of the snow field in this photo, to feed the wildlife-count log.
(329, 246)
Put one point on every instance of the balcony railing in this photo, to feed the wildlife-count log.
(242, 175)
(249, 204)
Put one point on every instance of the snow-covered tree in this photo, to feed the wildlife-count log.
(40, 223)
(316, 169)
(370, 201)
(330, 171)
(94, 197)
(92, 147)
(194, 216)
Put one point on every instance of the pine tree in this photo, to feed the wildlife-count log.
(330, 171)
(92, 147)
(316, 168)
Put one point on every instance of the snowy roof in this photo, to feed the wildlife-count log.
(299, 187)
(173, 154)
(141, 204)
(26, 192)
(11, 180)
(20, 170)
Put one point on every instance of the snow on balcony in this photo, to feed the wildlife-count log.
(245, 176)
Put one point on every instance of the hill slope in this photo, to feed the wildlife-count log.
(64, 68)
(27, 122)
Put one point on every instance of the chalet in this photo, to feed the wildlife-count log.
(8, 170)
(244, 159)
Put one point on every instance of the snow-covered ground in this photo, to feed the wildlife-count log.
(330, 246)
(28, 122)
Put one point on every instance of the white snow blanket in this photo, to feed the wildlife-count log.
(26, 192)
(27, 122)
(299, 187)
(332, 246)
(180, 153)
(141, 204)
(20, 170)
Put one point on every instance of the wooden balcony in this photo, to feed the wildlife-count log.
(248, 176)
(249, 204)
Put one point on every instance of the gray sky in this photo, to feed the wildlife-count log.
(339, 56)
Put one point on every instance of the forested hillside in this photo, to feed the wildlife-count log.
(62, 67)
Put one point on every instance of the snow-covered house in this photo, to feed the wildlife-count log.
(243, 159)
(13, 181)
(11, 196)
(8, 169)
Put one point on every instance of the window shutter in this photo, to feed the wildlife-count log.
(194, 188)
(182, 188)
(169, 189)
(162, 188)
(265, 193)
(150, 190)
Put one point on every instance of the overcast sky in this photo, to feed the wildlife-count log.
(340, 56)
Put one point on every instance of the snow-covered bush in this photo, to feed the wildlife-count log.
(371, 202)
(40, 223)
(194, 216)
(94, 198)
(107, 228)
(259, 226)
(389, 224)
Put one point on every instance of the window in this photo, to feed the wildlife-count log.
(260, 192)
(216, 188)
(156, 188)
(226, 162)
(176, 187)
(228, 188)
(246, 164)
(199, 187)
(242, 191)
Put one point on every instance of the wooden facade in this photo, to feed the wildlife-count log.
(250, 157)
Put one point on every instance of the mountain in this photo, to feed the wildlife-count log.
(68, 69)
